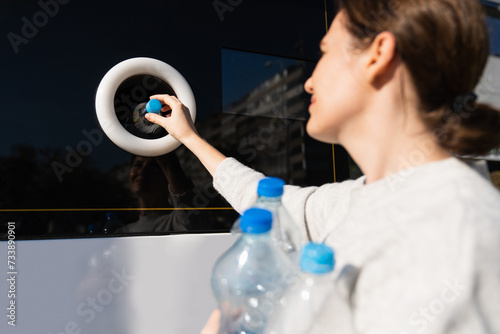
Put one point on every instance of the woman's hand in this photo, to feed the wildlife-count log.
(212, 325)
(178, 123)
(180, 126)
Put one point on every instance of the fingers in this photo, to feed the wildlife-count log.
(155, 118)
(161, 97)
(169, 100)
(212, 325)
(178, 123)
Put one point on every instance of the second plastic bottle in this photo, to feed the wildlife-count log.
(299, 308)
(285, 232)
(249, 278)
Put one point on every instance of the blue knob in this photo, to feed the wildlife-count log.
(154, 106)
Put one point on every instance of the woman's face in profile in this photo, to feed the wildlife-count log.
(336, 84)
(146, 177)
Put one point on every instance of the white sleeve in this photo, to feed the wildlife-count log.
(237, 183)
(310, 207)
(319, 209)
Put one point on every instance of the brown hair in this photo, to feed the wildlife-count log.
(444, 45)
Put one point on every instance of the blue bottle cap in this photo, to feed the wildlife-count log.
(270, 187)
(317, 258)
(153, 106)
(256, 221)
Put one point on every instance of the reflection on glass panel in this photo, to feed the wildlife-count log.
(261, 85)
(162, 198)
(488, 89)
(60, 176)
(160, 183)
(264, 119)
(492, 10)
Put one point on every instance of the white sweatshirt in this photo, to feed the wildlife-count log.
(416, 252)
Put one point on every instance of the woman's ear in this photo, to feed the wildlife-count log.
(381, 58)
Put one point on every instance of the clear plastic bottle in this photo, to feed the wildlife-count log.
(285, 231)
(140, 111)
(249, 278)
(298, 308)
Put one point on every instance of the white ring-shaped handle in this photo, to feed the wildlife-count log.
(105, 109)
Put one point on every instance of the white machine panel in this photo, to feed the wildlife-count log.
(129, 285)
